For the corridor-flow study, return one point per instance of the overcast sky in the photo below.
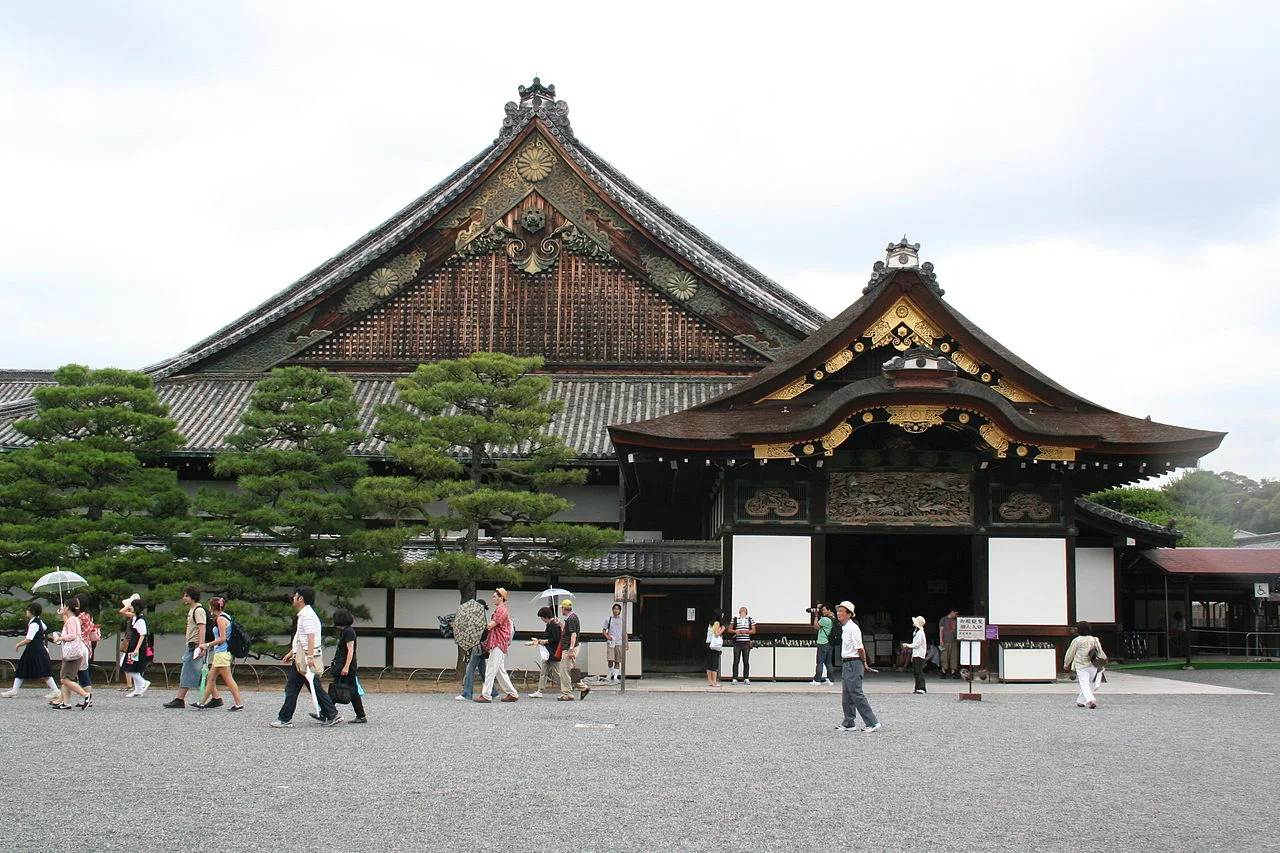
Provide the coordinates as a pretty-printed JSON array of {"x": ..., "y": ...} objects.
[{"x": 1096, "y": 183}]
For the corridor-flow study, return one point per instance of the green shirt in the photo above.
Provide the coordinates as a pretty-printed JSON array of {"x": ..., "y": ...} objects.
[{"x": 824, "y": 630}]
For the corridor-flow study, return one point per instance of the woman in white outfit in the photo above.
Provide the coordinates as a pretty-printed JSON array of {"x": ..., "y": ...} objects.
[
  {"x": 918, "y": 646},
  {"x": 1083, "y": 655}
]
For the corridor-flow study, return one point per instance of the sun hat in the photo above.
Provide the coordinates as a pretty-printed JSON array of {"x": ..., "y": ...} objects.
[
  {"x": 502, "y": 592},
  {"x": 918, "y": 621},
  {"x": 847, "y": 605},
  {"x": 128, "y": 602}
]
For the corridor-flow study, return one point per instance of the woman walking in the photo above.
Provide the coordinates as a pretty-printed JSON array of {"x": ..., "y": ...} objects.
[
  {"x": 74, "y": 652},
  {"x": 715, "y": 646},
  {"x": 1083, "y": 655},
  {"x": 35, "y": 662},
  {"x": 220, "y": 667},
  {"x": 91, "y": 634},
  {"x": 919, "y": 647},
  {"x": 344, "y": 661}
]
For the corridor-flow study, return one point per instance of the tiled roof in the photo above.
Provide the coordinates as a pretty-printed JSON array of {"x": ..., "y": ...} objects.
[
  {"x": 1131, "y": 524},
  {"x": 642, "y": 559},
  {"x": 668, "y": 228},
  {"x": 1260, "y": 562},
  {"x": 16, "y": 385},
  {"x": 208, "y": 406}
]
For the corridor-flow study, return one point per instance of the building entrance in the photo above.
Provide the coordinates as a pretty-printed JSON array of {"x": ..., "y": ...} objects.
[
  {"x": 900, "y": 575},
  {"x": 673, "y": 642}
]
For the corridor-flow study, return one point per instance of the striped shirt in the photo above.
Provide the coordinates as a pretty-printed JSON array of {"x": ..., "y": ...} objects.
[{"x": 742, "y": 623}]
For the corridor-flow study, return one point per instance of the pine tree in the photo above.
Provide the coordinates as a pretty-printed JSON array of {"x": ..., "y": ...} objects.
[
  {"x": 90, "y": 496},
  {"x": 472, "y": 436},
  {"x": 294, "y": 517}
]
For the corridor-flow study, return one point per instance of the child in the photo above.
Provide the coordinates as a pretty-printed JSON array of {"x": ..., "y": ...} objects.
[
  {"x": 344, "y": 661},
  {"x": 135, "y": 658},
  {"x": 35, "y": 662}
]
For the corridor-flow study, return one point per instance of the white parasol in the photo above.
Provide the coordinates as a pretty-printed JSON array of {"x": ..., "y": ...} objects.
[
  {"x": 60, "y": 581},
  {"x": 553, "y": 592}
]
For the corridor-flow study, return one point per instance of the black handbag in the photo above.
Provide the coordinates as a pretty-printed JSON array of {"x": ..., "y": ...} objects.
[{"x": 340, "y": 692}]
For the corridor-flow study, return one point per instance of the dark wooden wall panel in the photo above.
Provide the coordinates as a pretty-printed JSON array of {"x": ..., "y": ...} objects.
[{"x": 580, "y": 311}]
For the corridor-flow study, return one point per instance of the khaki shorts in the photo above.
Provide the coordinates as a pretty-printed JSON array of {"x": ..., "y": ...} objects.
[{"x": 70, "y": 667}]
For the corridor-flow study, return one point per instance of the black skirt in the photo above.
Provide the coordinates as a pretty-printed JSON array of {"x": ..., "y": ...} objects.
[{"x": 35, "y": 662}]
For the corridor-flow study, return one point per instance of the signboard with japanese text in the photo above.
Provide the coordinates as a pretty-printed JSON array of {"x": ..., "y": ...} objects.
[{"x": 971, "y": 627}]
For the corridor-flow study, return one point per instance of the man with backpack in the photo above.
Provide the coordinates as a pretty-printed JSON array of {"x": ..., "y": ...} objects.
[
  {"x": 828, "y": 633},
  {"x": 199, "y": 630}
]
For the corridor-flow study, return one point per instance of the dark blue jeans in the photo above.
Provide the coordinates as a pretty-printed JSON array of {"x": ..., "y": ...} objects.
[
  {"x": 295, "y": 685},
  {"x": 826, "y": 658},
  {"x": 475, "y": 667}
]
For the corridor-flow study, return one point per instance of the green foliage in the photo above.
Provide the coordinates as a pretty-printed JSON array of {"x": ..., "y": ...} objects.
[
  {"x": 83, "y": 495},
  {"x": 471, "y": 433},
  {"x": 1206, "y": 506},
  {"x": 295, "y": 516}
]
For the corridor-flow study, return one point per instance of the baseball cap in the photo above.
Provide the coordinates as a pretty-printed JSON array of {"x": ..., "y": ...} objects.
[{"x": 566, "y": 603}]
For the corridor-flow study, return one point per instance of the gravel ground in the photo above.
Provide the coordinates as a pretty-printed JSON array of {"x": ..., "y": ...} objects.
[{"x": 654, "y": 771}]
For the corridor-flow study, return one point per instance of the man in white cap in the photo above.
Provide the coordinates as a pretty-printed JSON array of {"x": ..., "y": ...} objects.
[
  {"x": 854, "y": 655},
  {"x": 570, "y": 634}
]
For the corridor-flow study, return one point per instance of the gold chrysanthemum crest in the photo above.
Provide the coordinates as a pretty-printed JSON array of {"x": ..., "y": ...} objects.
[
  {"x": 682, "y": 285},
  {"x": 383, "y": 282},
  {"x": 535, "y": 161}
]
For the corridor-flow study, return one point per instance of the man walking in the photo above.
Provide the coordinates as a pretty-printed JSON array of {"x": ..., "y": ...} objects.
[
  {"x": 199, "y": 630},
  {"x": 496, "y": 645},
  {"x": 615, "y": 641},
  {"x": 571, "y": 631},
  {"x": 852, "y": 700},
  {"x": 825, "y": 622},
  {"x": 306, "y": 656},
  {"x": 949, "y": 644}
]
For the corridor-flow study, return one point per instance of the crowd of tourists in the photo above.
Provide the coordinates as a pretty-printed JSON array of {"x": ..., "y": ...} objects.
[{"x": 212, "y": 638}]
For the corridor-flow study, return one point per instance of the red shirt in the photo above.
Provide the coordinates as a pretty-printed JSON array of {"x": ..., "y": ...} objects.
[{"x": 500, "y": 633}]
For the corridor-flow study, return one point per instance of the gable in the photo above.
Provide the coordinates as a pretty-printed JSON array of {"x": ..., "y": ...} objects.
[
  {"x": 655, "y": 290},
  {"x": 905, "y": 323}
]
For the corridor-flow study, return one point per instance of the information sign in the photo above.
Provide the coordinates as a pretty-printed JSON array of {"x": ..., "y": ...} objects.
[
  {"x": 971, "y": 627},
  {"x": 1261, "y": 590}
]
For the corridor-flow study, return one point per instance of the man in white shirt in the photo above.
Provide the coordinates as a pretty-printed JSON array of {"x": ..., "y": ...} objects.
[
  {"x": 615, "y": 641},
  {"x": 854, "y": 654},
  {"x": 306, "y": 655}
]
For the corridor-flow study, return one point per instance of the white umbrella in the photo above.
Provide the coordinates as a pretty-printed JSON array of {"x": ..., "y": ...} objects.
[
  {"x": 60, "y": 581},
  {"x": 553, "y": 592}
]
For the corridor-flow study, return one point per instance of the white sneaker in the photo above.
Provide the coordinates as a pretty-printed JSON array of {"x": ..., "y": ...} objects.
[
  {"x": 8, "y": 694},
  {"x": 872, "y": 729},
  {"x": 816, "y": 681},
  {"x": 828, "y": 681},
  {"x": 846, "y": 728},
  {"x": 537, "y": 694},
  {"x": 746, "y": 681},
  {"x": 735, "y": 681},
  {"x": 460, "y": 698},
  {"x": 53, "y": 694},
  {"x": 131, "y": 694},
  {"x": 145, "y": 685}
]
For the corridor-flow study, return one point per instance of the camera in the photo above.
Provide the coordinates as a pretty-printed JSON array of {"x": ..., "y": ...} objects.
[{"x": 815, "y": 610}]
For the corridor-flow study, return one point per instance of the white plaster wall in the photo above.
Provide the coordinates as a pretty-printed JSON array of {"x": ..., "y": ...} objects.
[
  {"x": 1027, "y": 581},
  {"x": 772, "y": 576},
  {"x": 1095, "y": 584}
]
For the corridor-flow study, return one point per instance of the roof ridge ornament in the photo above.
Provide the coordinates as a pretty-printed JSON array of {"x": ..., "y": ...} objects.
[
  {"x": 902, "y": 255},
  {"x": 537, "y": 100}
]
